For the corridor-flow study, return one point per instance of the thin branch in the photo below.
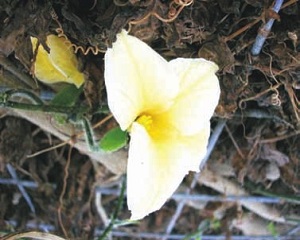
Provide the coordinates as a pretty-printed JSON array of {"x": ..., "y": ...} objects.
[{"x": 14, "y": 175}]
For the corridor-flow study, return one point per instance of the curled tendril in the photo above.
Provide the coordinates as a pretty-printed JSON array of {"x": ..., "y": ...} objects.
[
  {"x": 60, "y": 33},
  {"x": 183, "y": 2},
  {"x": 121, "y": 3},
  {"x": 175, "y": 8}
]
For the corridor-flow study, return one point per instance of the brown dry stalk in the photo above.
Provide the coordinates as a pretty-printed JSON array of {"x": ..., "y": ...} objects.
[
  {"x": 279, "y": 138},
  {"x": 234, "y": 142},
  {"x": 272, "y": 88},
  {"x": 63, "y": 191},
  {"x": 33, "y": 235},
  {"x": 249, "y": 25}
]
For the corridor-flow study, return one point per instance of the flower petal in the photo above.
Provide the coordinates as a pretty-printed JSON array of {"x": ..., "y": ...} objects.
[
  {"x": 64, "y": 59},
  {"x": 43, "y": 68},
  {"x": 198, "y": 97},
  {"x": 137, "y": 80},
  {"x": 60, "y": 65},
  {"x": 156, "y": 167}
]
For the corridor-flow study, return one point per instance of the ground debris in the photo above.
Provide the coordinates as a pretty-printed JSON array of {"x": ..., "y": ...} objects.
[{"x": 257, "y": 152}]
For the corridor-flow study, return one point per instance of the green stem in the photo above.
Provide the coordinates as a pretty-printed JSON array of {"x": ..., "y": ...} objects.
[
  {"x": 24, "y": 94},
  {"x": 43, "y": 107},
  {"x": 290, "y": 199},
  {"x": 116, "y": 212},
  {"x": 89, "y": 135},
  {"x": 263, "y": 192}
]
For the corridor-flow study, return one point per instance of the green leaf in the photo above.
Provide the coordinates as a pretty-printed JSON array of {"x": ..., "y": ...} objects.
[
  {"x": 113, "y": 140},
  {"x": 68, "y": 96},
  {"x": 272, "y": 229}
]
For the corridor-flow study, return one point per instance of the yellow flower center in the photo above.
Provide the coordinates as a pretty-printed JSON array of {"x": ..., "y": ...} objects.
[{"x": 146, "y": 121}]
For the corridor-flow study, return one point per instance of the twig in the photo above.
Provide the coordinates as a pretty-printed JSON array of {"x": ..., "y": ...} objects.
[
  {"x": 9, "y": 66},
  {"x": 175, "y": 196},
  {"x": 14, "y": 175},
  {"x": 49, "y": 149},
  {"x": 210, "y": 198},
  {"x": 256, "y": 96},
  {"x": 100, "y": 209},
  {"x": 234, "y": 142},
  {"x": 159, "y": 236},
  {"x": 213, "y": 140},
  {"x": 147, "y": 235},
  {"x": 29, "y": 184},
  {"x": 261, "y": 114},
  {"x": 293, "y": 231},
  {"x": 279, "y": 138},
  {"x": 265, "y": 30},
  {"x": 249, "y": 25},
  {"x": 63, "y": 191},
  {"x": 32, "y": 235},
  {"x": 241, "y": 30}
]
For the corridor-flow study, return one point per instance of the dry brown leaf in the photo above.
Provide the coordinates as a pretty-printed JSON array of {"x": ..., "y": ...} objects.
[
  {"x": 227, "y": 187},
  {"x": 270, "y": 153}
]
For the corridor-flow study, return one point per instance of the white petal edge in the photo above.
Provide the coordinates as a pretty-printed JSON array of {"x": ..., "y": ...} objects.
[
  {"x": 198, "y": 96},
  {"x": 155, "y": 169},
  {"x": 137, "y": 79}
]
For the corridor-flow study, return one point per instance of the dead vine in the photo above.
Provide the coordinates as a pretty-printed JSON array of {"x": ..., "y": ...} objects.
[{"x": 175, "y": 8}]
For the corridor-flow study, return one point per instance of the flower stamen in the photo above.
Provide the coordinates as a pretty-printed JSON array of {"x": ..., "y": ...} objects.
[{"x": 146, "y": 121}]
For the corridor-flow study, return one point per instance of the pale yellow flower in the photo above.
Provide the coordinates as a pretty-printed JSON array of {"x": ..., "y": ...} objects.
[
  {"x": 166, "y": 107},
  {"x": 59, "y": 65}
]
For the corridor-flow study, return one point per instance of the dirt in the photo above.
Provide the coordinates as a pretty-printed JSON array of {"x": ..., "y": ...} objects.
[{"x": 260, "y": 101}]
